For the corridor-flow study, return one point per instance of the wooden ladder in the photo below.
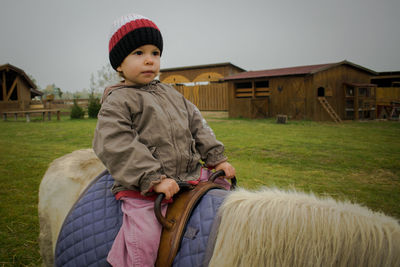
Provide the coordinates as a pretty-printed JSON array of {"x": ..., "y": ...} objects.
[{"x": 329, "y": 109}]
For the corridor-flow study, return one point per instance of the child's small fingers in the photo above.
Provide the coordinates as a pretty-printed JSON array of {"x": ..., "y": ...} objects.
[
  {"x": 167, "y": 196},
  {"x": 230, "y": 173}
]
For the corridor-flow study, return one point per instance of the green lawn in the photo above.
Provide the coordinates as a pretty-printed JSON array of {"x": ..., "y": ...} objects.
[{"x": 359, "y": 161}]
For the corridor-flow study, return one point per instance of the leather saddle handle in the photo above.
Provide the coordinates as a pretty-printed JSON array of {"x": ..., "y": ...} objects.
[
  {"x": 168, "y": 224},
  {"x": 221, "y": 173}
]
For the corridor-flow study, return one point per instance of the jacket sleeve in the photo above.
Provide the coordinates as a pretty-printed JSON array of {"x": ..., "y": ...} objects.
[
  {"x": 210, "y": 149},
  {"x": 118, "y": 146}
]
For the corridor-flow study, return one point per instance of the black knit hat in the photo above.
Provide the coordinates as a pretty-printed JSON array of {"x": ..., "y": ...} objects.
[{"x": 130, "y": 32}]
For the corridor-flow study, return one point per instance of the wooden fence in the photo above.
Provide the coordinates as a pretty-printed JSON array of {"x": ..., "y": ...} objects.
[
  {"x": 64, "y": 105},
  {"x": 68, "y": 103},
  {"x": 211, "y": 97}
]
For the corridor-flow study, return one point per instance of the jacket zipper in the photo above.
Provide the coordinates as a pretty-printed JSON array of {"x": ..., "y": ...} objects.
[{"x": 160, "y": 98}]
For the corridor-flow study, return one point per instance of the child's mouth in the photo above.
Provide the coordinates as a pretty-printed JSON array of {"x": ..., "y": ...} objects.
[{"x": 148, "y": 72}]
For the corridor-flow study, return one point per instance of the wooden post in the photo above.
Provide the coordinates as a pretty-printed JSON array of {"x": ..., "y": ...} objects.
[
  {"x": 49, "y": 115},
  {"x": 58, "y": 115},
  {"x": 253, "y": 89},
  {"x": 43, "y": 115},
  {"x": 4, "y": 116},
  {"x": 14, "y": 84},
  {"x": 356, "y": 114},
  {"x": 28, "y": 118},
  {"x": 15, "y": 116},
  {"x": 4, "y": 87}
]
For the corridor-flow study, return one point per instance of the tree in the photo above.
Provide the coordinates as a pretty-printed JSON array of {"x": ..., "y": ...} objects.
[
  {"x": 58, "y": 92},
  {"x": 77, "y": 112},
  {"x": 106, "y": 76},
  {"x": 93, "y": 106},
  {"x": 52, "y": 89}
]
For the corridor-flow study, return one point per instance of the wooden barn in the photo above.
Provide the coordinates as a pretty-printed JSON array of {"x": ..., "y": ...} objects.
[
  {"x": 17, "y": 89},
  {"x": 203, "y": 84},
  {"x": 324, "y": 92}
]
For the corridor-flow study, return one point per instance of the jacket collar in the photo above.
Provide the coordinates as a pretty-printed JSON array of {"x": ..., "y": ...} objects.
[{"x": 152, "y": 86}]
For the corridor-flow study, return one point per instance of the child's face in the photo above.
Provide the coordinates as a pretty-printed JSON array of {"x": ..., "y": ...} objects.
[{"x": 141, "y": 66}]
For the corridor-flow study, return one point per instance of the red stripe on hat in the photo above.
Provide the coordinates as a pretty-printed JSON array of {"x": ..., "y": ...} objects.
[{"x": 128, "y": 27}]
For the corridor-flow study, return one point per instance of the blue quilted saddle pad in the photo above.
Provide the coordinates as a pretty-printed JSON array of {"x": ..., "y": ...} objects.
[
  {"x": 197, "y": 244},
  {"x": 91, "y": 226}
]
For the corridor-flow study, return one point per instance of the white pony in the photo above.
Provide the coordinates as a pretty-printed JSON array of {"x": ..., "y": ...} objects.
[
  {"x": 270, "y": 227},
  {"x": 64, "y": 181}
]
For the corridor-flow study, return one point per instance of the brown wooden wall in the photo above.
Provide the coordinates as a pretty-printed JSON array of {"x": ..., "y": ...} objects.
[
  {"x": 288, "y": 96},
  {"x": 386, "y": 95},
  {"x": 211, "y": 97}
]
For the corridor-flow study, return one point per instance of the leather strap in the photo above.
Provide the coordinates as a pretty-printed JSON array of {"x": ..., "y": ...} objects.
[{"x": 178, "y": 213}]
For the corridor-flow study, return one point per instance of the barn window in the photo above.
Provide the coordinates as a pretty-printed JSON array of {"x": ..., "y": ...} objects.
[
  {"x": 243, "y": 85},
  {"x": 243, "y": 90},
  {"x": 261, "y": 89},
  {"x": 262, "y": 84},
  {"x": 256, "y": 89},
  {"x": 364, "y": 91},
  {"x": 202, "y": 83},
  {"x": 349, "y": 91},
  {"x": 321, "y": 91}
]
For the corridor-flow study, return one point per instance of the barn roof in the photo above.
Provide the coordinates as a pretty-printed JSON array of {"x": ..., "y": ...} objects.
[
  {"x": 23, "y": 74},
  {"x": 203, "y": 67},
  {"x": 299, "y": 70},
  {"x": 35, "y": 92}
]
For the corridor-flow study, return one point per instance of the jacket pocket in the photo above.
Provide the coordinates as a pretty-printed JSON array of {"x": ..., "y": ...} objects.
[{"x": 153, "y": 151}]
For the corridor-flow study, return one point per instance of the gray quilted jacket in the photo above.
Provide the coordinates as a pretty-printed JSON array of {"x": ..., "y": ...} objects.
[{"x": 148, "y": 133}]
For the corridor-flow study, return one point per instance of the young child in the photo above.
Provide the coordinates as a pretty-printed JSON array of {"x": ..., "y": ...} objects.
[{"x": 149, "y": 137}]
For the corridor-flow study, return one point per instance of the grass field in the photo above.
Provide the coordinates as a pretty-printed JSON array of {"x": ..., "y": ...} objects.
[{"x": 359, "y": 161}]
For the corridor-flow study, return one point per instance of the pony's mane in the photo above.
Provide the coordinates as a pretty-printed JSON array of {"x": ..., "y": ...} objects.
[{"x": 272, "y": 227}]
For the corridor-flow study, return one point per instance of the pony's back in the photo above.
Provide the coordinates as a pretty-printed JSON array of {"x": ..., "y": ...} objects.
[{"x": 277, "y": 228}]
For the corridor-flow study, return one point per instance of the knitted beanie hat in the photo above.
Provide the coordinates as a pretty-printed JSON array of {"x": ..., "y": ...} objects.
[{"x": 130, "y": 32}]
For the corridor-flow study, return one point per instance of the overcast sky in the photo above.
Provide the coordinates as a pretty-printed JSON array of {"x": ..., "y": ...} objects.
[{"x": 64, "y": 42}]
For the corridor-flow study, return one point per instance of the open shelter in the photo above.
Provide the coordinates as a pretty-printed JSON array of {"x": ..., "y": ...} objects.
[{"x": 17, "y": 92}]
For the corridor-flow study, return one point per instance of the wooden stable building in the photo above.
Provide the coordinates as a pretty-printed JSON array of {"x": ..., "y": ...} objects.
[
  {"x": 17, "y": 89},
  {"x": 203, "y": 84},
  {"x": 17, "y": 92},
  {"x": 324, "y": 92}
]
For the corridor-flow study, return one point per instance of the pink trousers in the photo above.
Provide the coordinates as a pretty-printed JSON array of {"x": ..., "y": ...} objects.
[{"x": 137, "y": 241}]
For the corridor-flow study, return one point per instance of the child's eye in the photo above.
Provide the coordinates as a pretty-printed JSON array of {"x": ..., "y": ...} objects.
[
  {"x": 156, "y": 53},
  {"x": 137, "y": 53}
]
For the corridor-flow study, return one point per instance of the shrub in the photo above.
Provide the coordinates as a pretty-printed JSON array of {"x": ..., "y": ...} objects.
[
  {"x": 77, "y": 112},
  {"x": 93, "y": 107}
]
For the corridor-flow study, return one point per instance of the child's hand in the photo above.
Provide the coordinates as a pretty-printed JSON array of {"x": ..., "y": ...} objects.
[
  {"x": 167, "y": 186},
  {"x": 227, "y": 168}
]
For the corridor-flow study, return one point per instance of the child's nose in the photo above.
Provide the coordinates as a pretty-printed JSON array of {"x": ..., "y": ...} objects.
[{"x": 148, "y": 60}]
